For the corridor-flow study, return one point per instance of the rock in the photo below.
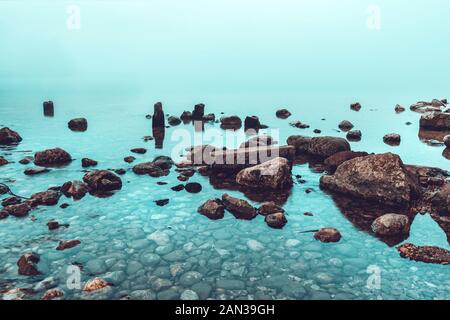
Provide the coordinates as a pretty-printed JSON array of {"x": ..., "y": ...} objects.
[
  {"x": 345, "y": 125},
  {"x": 273, "y": 174},
  {"x": 64, "y": 205},
  {"x": 301, "y": 143},
  {"x": 46, "y": 198},
  {"x": 95, "y": 284},
  {"x": 25, "y": 161},
  {"x": 28, "y": 264},
  {"x": 18, "y": 210},
  {"x": 199, "y": 111},
  {"x": 173, "y": 121},
  {"x": 213, "y": 209},
  {"x": 252, "y": 122},
  {"x": 299, "y": 125},
  {"x": 447, "y": 141},
  {"x": 391, "y": 224},
  {"x": 425, "y": 254},
  {"x": 439, "y": 121},
  {"x": 139, "y": 150},
  {"x": 186, "y": 116},
  {"x": 86, "y": 162},
  {"x": 189, "y": 295},
  {"x": 63, "y": 245},
  {"x": 328, "y": 235},
  {"x": 380, "y": 177},
  {"x": 149, "y": 168},
  {"x": 441, "y": 200},
  {"x": 392, "y": 139},
  {"x": 190, "y": 278},
  {"x": 354, "y": 135},
  {"x": 230, "y": 123},
  {"x": 36, "y": 170},
  {"x": 399, "y": 108},
  {"x": 258, "y": 141},
  {"x": 193, "y": 187},
  {"x": 334, "y": 161},
  {"x": 52, "y": 294},
  {"x": 53, "y": 225},
  {"x": 79, "y": 124},
  {"x": 102, "y": 181},
  {"x": 241, "y": 209},
  {"x": 162, "y": 202},
  {"x": 178, "y": 188},
  {"x": 9, "y": 137},
  {"x": 283, "y": 114},
  {"x": 3, "y": 189},
  {"x": 129, "y": 159},
  {"x": 158, "y": 120},
  {"x": 164, "y": 162},
  {"x": 120, "y": 171},
  {"x": 327, "y": 146},
  {"x": 74, "y": 189},
  {"x": 49, "y": 110},
  {"x": 355, "y": 106},
  {"x": 317, "y": 131},
  {"x": 52, "y": 157},
  {"x": 276, "y": 220},
  {"x": 11, "y": 201},
  {"x": 147, "y": 138},
  {"x": 3, "y": 161},
  {"x": 3, "y": 214},
  {"x": 210, "y": 117},
  {"x": 269, "y": 207}
]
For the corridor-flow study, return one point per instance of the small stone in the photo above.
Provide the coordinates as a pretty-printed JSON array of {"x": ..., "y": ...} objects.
[
  {"x": 355, "y": 106},
  {"x": 79, "y": 124},
  {"x": 399, "y": 108},
  {"x": 178, "y": 188},
  {"x": 328, "y": 235},
  {"x": 283, "y": 114},
  {"x": 95, "y": 284},
  {"x": 354, "y": 135},
  {"x": 162, "y": 202},
  {"x": 190, "y": 278},
  {"x": 36, "y": 170},
  {"x": 345, "y": 125},
  {"x": 173, "y": 121},
  {"x": 9, "y": 137},
  {"x": 53, "y": 225},
  {"x": 129, "y": 159},
  {"x": 63, "y": 245},
  {"x": 276, "y": 220},
  {"x": 189, "y": 295},
  {"x": 139, "y": 150},
  {"x": 193, "y": 187},
  {"x": 391, "y": 224},
  {"x": 18, "y": 210},
  {"x": 392, "y": 139},
  {"x": 241, "y": 209},
  {"x": 269, "y": 207},
  {"x": 52, "y": 294},
  {"x": 28, "y": 264},
  {"x": 86, "y": 162}
]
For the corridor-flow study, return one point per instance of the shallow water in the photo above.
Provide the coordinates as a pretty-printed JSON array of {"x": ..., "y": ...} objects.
[{"x": 313, "y": 57}]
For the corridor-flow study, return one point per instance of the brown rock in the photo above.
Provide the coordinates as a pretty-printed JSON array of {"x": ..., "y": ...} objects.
[
  {"x": 129, "y": 159},
  {"x": 18, "y": 210},
  {"x": 28, "y": 264},
  {"x": 63, "y": 245},
  {"x": 355, "y": 106},
  {"x": 276, "y": 220},
  {"x": 441, "y": 200},
  {"x": 392, "y": 139},
  {"x": 95, "y": 284},
  {"x": 199, "y": 111},
  {"x": 301, "y": 143},
  {"x": 186, "y": 116},
  {"x": 46, "y": 198},
  {"x": 354, "y": 135},
  {"x": 439, "y": 121},
  {"x": 9, "y": 137},
  {"x": 3, "y": 161},
  {"x": 345, "y": 125},
  {"x": 213, "y": 209},
  {"x": 425, "y": 254},
  {"x": 399, "y": 108},
  {"x": 380, "y": 177},
  {"x": 53, "y": 225},
  {"x": 299, "y": 125},
  {"x": 269, "y": 207},
  {"x": 173, "y": 121},
  {"x": 36, "y": 170},
  {"x": 391, "y": 224},
  {"x": 52, "y": 157},
  {"x": 283, "y": 114},
  {"x": 272, "y": 174},
  {"x": 241, "y": 209},
  {"x": 327, "y": 146},
  {"x": 3, "y": 214},
  {"x": 11, "y": 201},
  {"x": 258, "y": 141},
  {"x": 251, "y": 122},
  {"x": 102, "y": 181},
  {"x": 78, "y": 124},
  {"x": 74, "y": 189},
  {"x": 230, "y": 123},
  {"x": 52, "y": 294},
  {"x": 149, "y": 168},
  {"x": 193, "y": 187},
  {"x": 86, "y": 162},
  {"x": 334, "y": 161},
  {"x": 139, "y": 150},
  {"x": 328, "y": 235}
]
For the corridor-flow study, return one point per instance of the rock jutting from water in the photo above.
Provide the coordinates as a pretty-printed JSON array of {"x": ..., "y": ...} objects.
[
  {"x": 27, "y": 264},
  {"x": 52, "y": 157},
  {"x": 213, "y": 209},
  {"x": 75, "y": 189},
  {"x": 78, "y": 124},
  {"x": 48, "y": 108},
  {"x": 427, "y": 254},
  {"x": 391, "y": 224},
  {"x": 333, "y": 162},
  {"x": 101, "y": 181},
  {"x": 230, "y": 122},
  {"x": 439, "y": 121},
  {"x": 354, "y": 135},
  {"x": 67, "y": 244},
  {"x": 276, "y": 220},
  {"x": 283, "y": 114},
  {"x": 158, "y": 119},
  {"x": 86, "y": 162},
  {"x": 9, "y": 137},
  {"x": 345, "y": 125},
  {"x": 328, "y": 235},
  {"x": 269, "y": 207},
  {"x": 355, "y": 106},
  {"x": 241, "y": 209},
  {"x": 392, "y": 139},
  {"x": 46, "y": 198}
]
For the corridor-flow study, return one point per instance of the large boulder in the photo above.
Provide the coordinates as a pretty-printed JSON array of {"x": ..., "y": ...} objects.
[
  {"x": 35, "y": 171},
  {"x": 435, "y": 121},
  {"x": 272, "y": 174},
  {"x": 301, "y": 143},
  {"x": 380, "y": 177},
  {"x": 52, "y": 157},
  {"x": 441, "y": 200},
  {"x": 28, "y": 264},
  {"x": 164, "y": 162},
  {"x": 18, "y": 210},
  {"x": 46, "y": 198},
  {"x": 78, "y": 124},
  {"x": 258, "y": 141},
  {"x": 390, "y": 225},
  {"x": 9, "y": 137},
  {"x": 151, "y": 169},
  {"x": 213, "y": 209},
  {"x": 425, "y": 254},
  {"x": 241, "y": 209},
  {"x": 334, "y": 161},
  {"x": 327, "y": 146},
  {"x": 102, "y": 181},
  {"x": 75, "y": 189}
]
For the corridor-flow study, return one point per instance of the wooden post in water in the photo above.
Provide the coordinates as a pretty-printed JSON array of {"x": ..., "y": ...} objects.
[{"x": 49, "y": 110}]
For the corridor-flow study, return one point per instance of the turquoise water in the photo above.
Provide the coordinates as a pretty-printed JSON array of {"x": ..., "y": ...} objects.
[{"x": 313, "y": 57}]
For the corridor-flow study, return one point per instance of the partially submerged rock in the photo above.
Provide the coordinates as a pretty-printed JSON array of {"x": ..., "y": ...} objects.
[
  {"x": 86, "y": 162},
  {"x": 78, "y": 124},
  {"x": 193, "y": 187},
  {"x": 18, "y": 210},
  {"x": 9, "y": 137},
  {"x": 390, "y": 225},
  {"x": 439, "y": 121},
  {"x": 95, "y": 284},
  {"x": 52, "y": 294},
  {"x": 46, "y": 198},
  {"x": 380, "y": 177},
  {"x": 273, "y": 174},
  {"x": 441, "y": 200},
  {"x": 129, "y": 159},
  {"x": 399, "y": 109},
  {"x": 354, "y": 135},
  {"x": 299, "y": 125},
  {"x": 355, "y": 106},
  {"x": 334, "y": 161},
  {"x": 3, "y": 161},
  {"x": 327, "y": 146},
  {"x": 139, "y": 150},
  {"x": 392, "y": 139},
  {"x": 164, "y": 162},
  {"x": 230, "y": 122},
  {"x": 213, "y": 209},
  {"x": 283, "y": 114},
  {"x": 100, "y": 181},
  {"x": 75, "y": 189},
  {"x": 52, "y": 157},
  {"x": 36, "y": 170},
  {"x": 346, "y": 125},
  {"x": 447, "y": 141},
  {"x": 252, "y": 123},
  {"x": 259, "y": 141},
  {"x": 241, "y": 209},
  {"x": 28, "y": 264},
  {"x": 173, "y": 121},
  {"x": 151, "y": 169},
  {"x": 67, "y": 244},
  {"x": 269, "y": 207},
  {"x": 198, "y": 112},
  {"x": 301, "y": 143},
  {"x": 276, "y": 220},
  {"x": 425, "y": 254},
  {"x": 328, "y": 235}
]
